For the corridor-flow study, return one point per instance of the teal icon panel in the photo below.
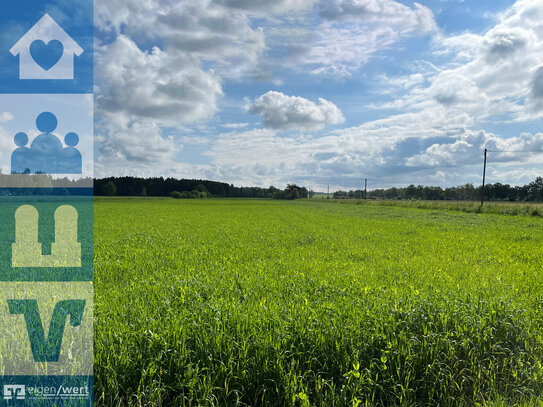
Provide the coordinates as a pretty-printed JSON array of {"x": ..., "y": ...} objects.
[
  {"x": 46, "y": 203},
  {"x": 46, "y": 234}
]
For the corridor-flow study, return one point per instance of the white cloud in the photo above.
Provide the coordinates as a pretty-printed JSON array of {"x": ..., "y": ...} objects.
[
  {"x": 6, "y": 117},
  {"x": 280, "y": 111},
  {"x": 156, "y": 84},
  {"x": 126, "y": 142},
  {"x": 263, "y": 157},
  {"x": 406, "y": 19},
  {"x": 535, "y": 99},
  {"x": 204, "y": 29},
  {"x": 492, "y": 76},
  {"x": 150, "y": 71},
  {"x": 276, "y": 6},
  {"x": 235, "y": 125},
  {"x": 503, "y": 42},
  {"x": 463, "y": 46},
  {"x": 499, "y": 66},
  {"x": 6, "y": 147},
  {"x": 403, "y": 82},
  {"x": 140, "y": 92},
  {"x": 438, "y": 135},
  {"x": 194, "y": 140},
  {"x": 353, "y": 30}
]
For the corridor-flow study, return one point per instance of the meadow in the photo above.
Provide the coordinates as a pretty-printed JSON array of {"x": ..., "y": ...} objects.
[
  {"x": 309, "y": 303},
  {"x": 502, "y": 208}
]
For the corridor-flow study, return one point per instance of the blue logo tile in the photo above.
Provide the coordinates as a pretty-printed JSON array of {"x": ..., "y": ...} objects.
[{"x": 44, "y": 49}]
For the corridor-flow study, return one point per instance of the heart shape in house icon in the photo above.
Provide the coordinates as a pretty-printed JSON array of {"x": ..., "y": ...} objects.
[{"x": 46, "y": 55}]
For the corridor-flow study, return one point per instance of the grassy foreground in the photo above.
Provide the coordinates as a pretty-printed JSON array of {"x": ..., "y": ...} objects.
[{"x": 250, "y": 302}]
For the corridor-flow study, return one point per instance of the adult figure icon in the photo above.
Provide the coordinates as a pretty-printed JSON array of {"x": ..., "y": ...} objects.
[{"x": 46, "y": 154}]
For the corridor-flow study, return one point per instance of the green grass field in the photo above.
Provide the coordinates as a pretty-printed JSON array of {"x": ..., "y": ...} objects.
[
  {"x": 502, "y": 208},
  {"x": 298, "y": 303}
]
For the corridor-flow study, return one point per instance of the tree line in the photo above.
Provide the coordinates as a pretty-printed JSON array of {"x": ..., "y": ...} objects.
[
  {"x": 532, "y": 192},
  {"x": 190, "y": 189},
  {"x": 194, "y": 188}
]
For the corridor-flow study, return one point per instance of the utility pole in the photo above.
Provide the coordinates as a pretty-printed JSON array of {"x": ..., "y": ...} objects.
[
  {"x": 328, "y": 194},
  {"x": 366, "y": 188},
  {"x": 484, "y": 176}
]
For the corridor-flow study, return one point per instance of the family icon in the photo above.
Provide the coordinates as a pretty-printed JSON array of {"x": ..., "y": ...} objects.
[{"x": 46, "y": 154}]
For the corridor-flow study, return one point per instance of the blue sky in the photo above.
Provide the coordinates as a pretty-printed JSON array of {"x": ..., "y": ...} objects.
[{"x": 319, "y": 92}]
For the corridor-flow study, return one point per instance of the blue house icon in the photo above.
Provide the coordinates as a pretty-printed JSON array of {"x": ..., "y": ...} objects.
[{"x": 46, "y": 51}]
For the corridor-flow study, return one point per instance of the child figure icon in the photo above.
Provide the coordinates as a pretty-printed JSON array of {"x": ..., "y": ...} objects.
[{"x": 46, "y": 154}]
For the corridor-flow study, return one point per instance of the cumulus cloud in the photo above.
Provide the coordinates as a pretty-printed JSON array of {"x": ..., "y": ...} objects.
[
  {"x": 492, "y": 76},
  {"x": 496, "y": 75},
  {"x": 503, "y": 42},
  {"x": 155, "y": 84},
  {"x": 451, "y": 89},
  {"x": 205, "y": 29},
  {"x": 280, "y": 111},
  {"x": 141, "y": 91},
  {"x": 504, "y": 69},
  {"x": 438, "y": 134},
  {"x": 150, "y": 71},
  {"x": 263, "y": 157}
]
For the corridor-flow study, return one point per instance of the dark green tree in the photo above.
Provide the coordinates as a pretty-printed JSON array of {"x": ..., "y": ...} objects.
[
  {"x": 110, "y": 189},
  {"x": 292, "y": 191}
]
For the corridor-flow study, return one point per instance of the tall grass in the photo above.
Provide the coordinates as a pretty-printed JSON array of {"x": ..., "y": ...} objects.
[
  {"x": 502, "y": 208},
  {"x": 253, "y": 303}
]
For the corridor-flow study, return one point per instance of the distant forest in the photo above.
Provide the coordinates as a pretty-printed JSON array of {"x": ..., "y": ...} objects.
[
  {"x": 43, "y": 184},
  {"x": 189, "y": 188},
  {"x": 532, "y": 192},
  {"x": 185, "y": 188}
]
